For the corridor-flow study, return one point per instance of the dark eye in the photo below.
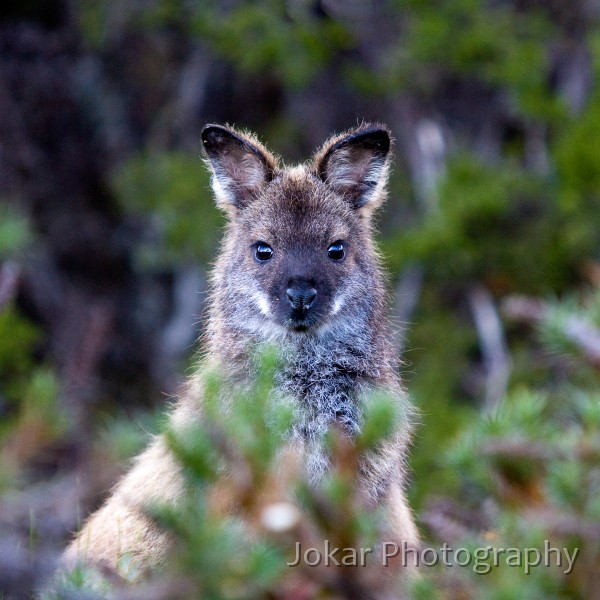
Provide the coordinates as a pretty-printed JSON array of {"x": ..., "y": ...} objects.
[
  {"x": 336, "y": 251},
  {"x": 262, "y": 251}
]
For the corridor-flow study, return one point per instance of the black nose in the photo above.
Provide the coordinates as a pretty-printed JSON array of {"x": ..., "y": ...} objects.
[{"x": 301, "y": 295}]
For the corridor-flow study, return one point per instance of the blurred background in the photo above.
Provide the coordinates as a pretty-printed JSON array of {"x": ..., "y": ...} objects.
[{"x": 491, "y": 235}]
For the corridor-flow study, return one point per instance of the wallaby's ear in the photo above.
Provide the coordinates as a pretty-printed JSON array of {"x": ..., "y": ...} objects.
[
  {"x": 239, "y": 163},
  {"x": 356, "y": 164}
]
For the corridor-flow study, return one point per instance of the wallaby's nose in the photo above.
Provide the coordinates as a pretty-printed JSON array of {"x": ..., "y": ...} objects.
[{"x": 301, "y": 295}]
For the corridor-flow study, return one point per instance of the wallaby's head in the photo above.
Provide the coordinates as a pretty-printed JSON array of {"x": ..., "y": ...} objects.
[{"x": 298, "y": 255}]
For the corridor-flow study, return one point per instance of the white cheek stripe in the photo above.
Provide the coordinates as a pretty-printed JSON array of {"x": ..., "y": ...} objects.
[
  {"x": 262, "y": 302},
  {"x": 337, "y": 304}
]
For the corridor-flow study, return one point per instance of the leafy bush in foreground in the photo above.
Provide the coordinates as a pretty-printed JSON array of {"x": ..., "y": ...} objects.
[{"x": 528, "y": 479}]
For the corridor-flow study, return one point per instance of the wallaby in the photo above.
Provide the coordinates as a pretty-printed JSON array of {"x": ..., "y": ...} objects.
[{"x": 297, "y": 269}]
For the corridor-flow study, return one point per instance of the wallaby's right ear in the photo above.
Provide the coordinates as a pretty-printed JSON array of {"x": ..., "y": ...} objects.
[{"x": 240, "y": 165}]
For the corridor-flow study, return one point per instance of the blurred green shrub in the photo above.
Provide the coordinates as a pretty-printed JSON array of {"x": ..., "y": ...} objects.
[
  {"x": 287, "y": 40},
  {"x": 173, "y": 189},
  {"x": 15, "y": 232},
  {"x": 247, "y": 503},
  {"x": 29, "y": 415},
  {"x": 527, "y": 475},
  {"x": 498, "y": 224},
  {"x": 531, "y": 472}
]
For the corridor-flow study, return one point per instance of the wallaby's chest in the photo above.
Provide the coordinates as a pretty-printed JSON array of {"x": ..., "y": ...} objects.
[{"x": 325, "y": 388}]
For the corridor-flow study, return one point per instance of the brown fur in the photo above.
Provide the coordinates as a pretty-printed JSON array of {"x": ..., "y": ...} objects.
[{"x": 333, "y": 353}]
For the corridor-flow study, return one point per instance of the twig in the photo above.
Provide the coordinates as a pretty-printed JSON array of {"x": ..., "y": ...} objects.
[
  {"x": 424, "y": 145},
  {"x": 432, "y": 164},
  {"x": 536, "y": 148},
  {"x": 10, "y": 274},
  {"x": 523, "y": 308},
  {"x": 564, "y": 524},
  {"x": 425, "y": 149},
  {"x": 406, "y": 296},
  {"x": 444, "y": 526},
  {"x": 524, "y": 448},
  {"x": 585, "y": 336},
  {"x": 578, "y": 330},
  {"x": 493, "y": 345}
]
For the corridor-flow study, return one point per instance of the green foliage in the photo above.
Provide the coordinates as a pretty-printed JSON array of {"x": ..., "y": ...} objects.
[
  {"x": 40, "y": 399},
  {"x": 284, "y": 40},
  {"x": 174, "y": 188},
  {"x": 15, "y": 232},
  {"x": 18, "y": 340},
  {"x": 498, "y": 46},
  {"x": 527, "y": 464},
  {"x": 29, "y": 418},
  {"x": 575, "y": 151},
  {"x": 519, "y": 416},
  {"x": 571, "y": 327},
  {"x": 498, "y": 222},
  {"x": 530, "y": 472},
  {"x": 35, "y": 422},
  {"x": 230, "y": 543},
  {"x": 86, "y": 582},
  {"x": 287, "y": 41},
  {"x": 434, "y": 387},
  {"x": 126, "y": 436},
  {"x": 24, "y": 384},
  {"x": 483, "y": 230},
  {"x": 93, "y": 17},
  {"x": 381, "y": 419}
]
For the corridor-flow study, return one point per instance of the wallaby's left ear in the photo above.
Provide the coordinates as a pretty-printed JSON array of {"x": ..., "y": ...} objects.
[{"x": 356, "y": 164}]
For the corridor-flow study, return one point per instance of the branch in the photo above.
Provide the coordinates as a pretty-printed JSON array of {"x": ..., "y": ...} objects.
[
  {"x": 10, "y": 274},
  {"x": 526, "y": 448},
  {"x": 586, "y": 337},
  {"x": 406, "y": 296},
  {"x": 564, "y": 524},
  {"x": 578, "y": 330},
  {"x": 492, "y": 343}
]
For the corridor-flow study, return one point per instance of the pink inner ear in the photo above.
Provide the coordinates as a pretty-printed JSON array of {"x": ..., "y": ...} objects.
[
  {"x": 239, "y": 169},
  {"x": 363, "y": 162},
  {"x": 253, "y": 173},
  {"x": 353, "y": 170}
]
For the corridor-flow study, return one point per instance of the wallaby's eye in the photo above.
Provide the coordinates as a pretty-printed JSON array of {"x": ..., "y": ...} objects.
[
  {"x": 336, "y": 251},
  {"x": 262, "y": 251}
]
